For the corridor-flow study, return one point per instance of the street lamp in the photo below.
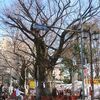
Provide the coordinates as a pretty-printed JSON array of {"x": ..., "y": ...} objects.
[
  {"x": 91, "y": 66},
  {"x": 81, "y": 48},
  {"x": 90, "y": 36},
  {"x": 96, "y": 44},
  {"x": 81, "y": 53}
]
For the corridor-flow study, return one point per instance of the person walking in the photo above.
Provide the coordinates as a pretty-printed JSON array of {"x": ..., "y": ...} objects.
[
  {"x": 1, "y": 90},
  {"x": 18, "y": 94},
  {"x": 54, "y": 93},
  {"x": 13, "y": 95},
  {"x": 81, "y": 94}
]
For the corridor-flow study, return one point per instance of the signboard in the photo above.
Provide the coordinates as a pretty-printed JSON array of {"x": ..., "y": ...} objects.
[
  {"x": 95, "y": 81},
  {"x": 32, "y": 84},
  {"x": 85, "y": 72}
]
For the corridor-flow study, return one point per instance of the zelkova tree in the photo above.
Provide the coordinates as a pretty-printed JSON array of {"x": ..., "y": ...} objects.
[
  {"x": 15, "y": 58},
  {"x": 24, "y": 58},
  {"x": 49, "y": 26}
]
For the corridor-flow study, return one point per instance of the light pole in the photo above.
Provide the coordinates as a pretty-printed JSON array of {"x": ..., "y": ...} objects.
[
  {"x": 82, "y": 63},
  {"x": 91, "y": 66},
  {"x": 81, "y": 49},
  {"x": 96, "y": 56},
  {"x": 89, "y": 35}
]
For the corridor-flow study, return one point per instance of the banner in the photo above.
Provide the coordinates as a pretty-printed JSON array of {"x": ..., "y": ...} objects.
[
  {"x": 95, "y": 81},
  {"x": 32, "y": 84}
]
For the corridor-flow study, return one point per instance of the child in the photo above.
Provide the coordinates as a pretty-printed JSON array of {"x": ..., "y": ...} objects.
[{"x": 13, "y": 95}]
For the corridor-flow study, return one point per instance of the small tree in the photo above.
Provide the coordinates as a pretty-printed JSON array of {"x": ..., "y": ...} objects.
[
  {"x": 70, "y": 67},
  {"x": 15, "y": 57}
]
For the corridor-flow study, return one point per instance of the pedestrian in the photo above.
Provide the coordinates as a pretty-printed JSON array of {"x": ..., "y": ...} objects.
[
  {"x": 13, "y": 95},
  {"x": 1, "y": 90},
  {"x": 18, "y": 94},
  {"x": 81, "y": 93},
  {"x": 2, "y": 94},
  {"x": 10, "y": 89},
  {"x": 68, "y": 92},
  {"x": 54, "y": 92}
]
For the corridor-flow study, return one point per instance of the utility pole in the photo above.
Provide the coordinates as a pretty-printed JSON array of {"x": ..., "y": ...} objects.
[
  {"x": 91, "y": 67},
  {"x": 82, "y": 65},
  {"x": 81, "y": 49}
]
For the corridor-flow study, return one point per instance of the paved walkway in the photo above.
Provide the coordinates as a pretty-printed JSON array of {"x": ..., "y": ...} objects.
[{"x": 89, "y": 98}]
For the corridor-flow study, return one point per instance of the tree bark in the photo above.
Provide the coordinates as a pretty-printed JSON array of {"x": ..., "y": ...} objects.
[
  {"x": 22, "y": 78},
  {"x": 40, "y": 68},
  {"x": 49, "y": 82},
  {"x": 41, "y": 78}
]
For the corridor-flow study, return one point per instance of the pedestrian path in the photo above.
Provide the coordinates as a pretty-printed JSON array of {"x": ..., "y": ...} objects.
[{"x": 89, "y": 99}]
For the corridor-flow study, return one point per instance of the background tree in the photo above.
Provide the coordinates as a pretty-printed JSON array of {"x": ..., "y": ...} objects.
[
  {"x": 74, "y": 48},
  {"x": 17, "y": 57}
]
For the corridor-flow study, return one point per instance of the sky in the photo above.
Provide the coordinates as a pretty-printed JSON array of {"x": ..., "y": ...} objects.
[{"x": 5, "y": 3}]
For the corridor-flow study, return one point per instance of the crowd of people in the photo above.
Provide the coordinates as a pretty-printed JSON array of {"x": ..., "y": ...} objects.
[
  {"x": 14, "y": 93},
  {"x": 66, "y": 92},
  {"x": 4, "y": 91}
]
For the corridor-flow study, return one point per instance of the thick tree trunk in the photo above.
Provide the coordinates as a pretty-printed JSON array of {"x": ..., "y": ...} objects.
[
  {"x": 40, "y": 91},
  {"x": 40, "y": 68},
  {"x": 22, "y": 81},
  {"x": 49, "y": 81},
  {"x": 41, "y": 79}
]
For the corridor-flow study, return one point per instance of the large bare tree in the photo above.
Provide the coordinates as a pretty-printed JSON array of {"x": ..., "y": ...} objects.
[
  {"x": 14, "y": 57},
  {"x": 49, "y": 25}
]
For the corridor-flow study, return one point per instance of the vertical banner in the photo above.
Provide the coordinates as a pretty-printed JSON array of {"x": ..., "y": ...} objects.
[{"x": 32, "y": 84}]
